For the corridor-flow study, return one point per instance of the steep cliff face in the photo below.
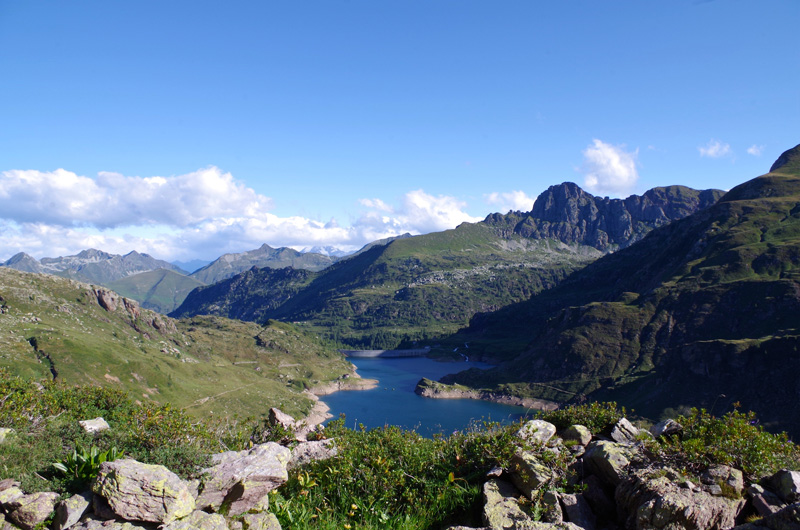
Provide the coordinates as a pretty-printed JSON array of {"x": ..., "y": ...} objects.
[{"x": 569, "y": 214}]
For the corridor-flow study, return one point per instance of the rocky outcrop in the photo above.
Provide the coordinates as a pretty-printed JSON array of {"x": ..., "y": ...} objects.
[
  {"x": 142, "y": 492},
  {"x": 569, "y": 214},
  {"x": 240, "y": 480}
]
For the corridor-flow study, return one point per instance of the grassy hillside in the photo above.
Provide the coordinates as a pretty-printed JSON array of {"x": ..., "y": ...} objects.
[
  {"x": 78, "y": 333},
  {"x": 161, "y": 290},
  {"x": 702, "y": 312}
]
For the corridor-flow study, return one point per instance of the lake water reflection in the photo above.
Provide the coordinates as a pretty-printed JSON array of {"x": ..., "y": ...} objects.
[{"x": 393, "y": 402}]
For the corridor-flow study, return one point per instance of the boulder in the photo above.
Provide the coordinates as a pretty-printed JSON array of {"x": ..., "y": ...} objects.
[
  {"x": 241, "y": 480},
  {"x": 143, "y": 492},
  {"x": 729, "y": 480},
  {"x": 608, "y": 460},
  {"x": 306, "y": 452},
  {"x": 786, "y": 484},
  {"x": 536, "y": 431},
  {"x": 94, "y": 426},
  {"x": 198, "y": 520},
  {"x": 260, "y": 521},
  {"x": 10, "y": 493},
  {"x": 786, "y": 519},
  {"x": 650, "y": 500},
  {"x": 551, "y": 508},
  {"x": 69, "y": 511},
  {"x": 30, "y": 510},
  {"x": 624, "y": 432},
  {"x": 502, "y": 511},
  {"x": 529, "y": 474},
  {"x": 666, "y": 428},
  {"x": 94, "y": 523},
  {"x": 578, "y": 434},
  {"x": 577, "y": 511}
]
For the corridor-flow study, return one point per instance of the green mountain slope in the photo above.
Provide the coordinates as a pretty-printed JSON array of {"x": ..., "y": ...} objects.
[
  {"x": 160, "y": 290},
  {"x": 79, "y": 333},
  {"x": 702, "y": 312},
  {"x": 428, "y": 286}
]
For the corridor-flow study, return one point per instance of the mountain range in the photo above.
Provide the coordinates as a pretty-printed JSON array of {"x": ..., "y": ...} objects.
[
  {"x": 704, "y": 311},
  {"x": 428, "y": 286}
]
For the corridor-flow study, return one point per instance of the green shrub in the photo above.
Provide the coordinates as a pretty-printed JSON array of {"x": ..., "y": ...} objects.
[
  {"x": 735, "y": 439},
  {"x": 594, "y": 416},
  {"x": 83, "y": 465}
]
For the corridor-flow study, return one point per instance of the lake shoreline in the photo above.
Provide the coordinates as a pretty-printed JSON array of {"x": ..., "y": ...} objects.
[{"x": 435, "y": 390}]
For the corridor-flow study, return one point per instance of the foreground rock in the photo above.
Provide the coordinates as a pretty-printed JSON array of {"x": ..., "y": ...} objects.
[
  {"x": 142, "y": 492},
  {"x": 31, "y": 510},
  {"x": 240, "y": 480}
]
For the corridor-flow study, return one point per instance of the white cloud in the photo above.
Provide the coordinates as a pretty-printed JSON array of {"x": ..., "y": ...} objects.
[
  {"x": 755, "y": 150},
  {"x": 515, "y": 200},
  {"x": 609, "y": 169},
  {"x": 111, "y": 200},
  {"x": 201, "y": 214},
  {"x": 714, "y": 149}
]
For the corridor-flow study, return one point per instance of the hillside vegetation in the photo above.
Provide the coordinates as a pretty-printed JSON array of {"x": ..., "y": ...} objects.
[
  {"x": 78, "y": 333},
  {"x": 428, "y": 286},
  {"x": 701, "y": 312}
]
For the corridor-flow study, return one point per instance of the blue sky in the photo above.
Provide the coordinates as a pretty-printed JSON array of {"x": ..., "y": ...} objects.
[{"x": 187, "y": 129}]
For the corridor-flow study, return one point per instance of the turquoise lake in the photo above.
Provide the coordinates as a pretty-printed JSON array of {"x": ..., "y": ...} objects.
[{"x": 394, "y": 402}]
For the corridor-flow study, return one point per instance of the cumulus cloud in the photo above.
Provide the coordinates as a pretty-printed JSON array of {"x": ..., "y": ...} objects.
[
  {"x": 515, "y": 200},
  {"x": 204, "y": 214},
  {"x": 609, "y": 168},
  {"x": 755, "y": 150},
  {"x": 111, "y": 200},
  {"x": 715, "y": 149}
]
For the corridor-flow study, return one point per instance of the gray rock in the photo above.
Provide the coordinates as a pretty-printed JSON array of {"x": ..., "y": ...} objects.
[
  {"x": 307, "y": 452},
  {"x": 69, "y": 511},
  {"x": 93, "y": 523},
  {"x": 767, "y": 503},
  {"x": 608, "y": 460},
  {"x": 666, "y": 428},
  {"x": 198, "y": 520},
  {"x": 650, "y": 500},
  {"x": 624, "y": 432},
  {"x": 260, "y": 521},
  {"x": 786, "y": 519},
  {"x": 529, "y": 474},
  {"x": 786, "y": 484},
  {"x": 578, "y": 512},
  {"x": 10, "y": 494},
  {"x": 30, "y": 510},
  {"x": 501, "y": 510},
  {"x": 578, "y": 434},
  {"x": 536, "y": 431},
  {"x": 143, "y": 492},
  {"x": 552, "y": 512},
  {"x": 241, "y": 480},
  {"x": 729, "y": 479},
  {"x": 94, "y": 426},
  {"x": 8, "y": 483}
]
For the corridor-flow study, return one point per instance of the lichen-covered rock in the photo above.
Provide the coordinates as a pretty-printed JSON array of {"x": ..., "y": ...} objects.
[
  {"x": 143, "y": 492},
  {"x": 786, "y": 519},
  {"x": 241, "y": 480},
  {"x": 260, "y": 521},
  {"x": 30, "y": 510},
  {"x": 551, "y": 508},
  {"x": 536, "y": 431},
  {"x": 666, "y": 428},
  {"x": 69, "y": 511},
  {"x": 198, "y": 520},
  {"x": 501, "y": 510},
  {"x": 94, "y": 523},
  {"x": 786, "y": 484},
  {"x": 578, "y": 434},
  {"x": 649, "y": 500},
  {"x": 608, "y": 460},
  {"x": 10, "y": 494},
  {"x": 528, "y": 473},
  {"x": 730, "y": 480},
  {"x": 624, "y": 432},
  {"x": 94, "y": 426},
  {"x": 577, "y": 511},
  {"x": 307, "y": 452}
]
